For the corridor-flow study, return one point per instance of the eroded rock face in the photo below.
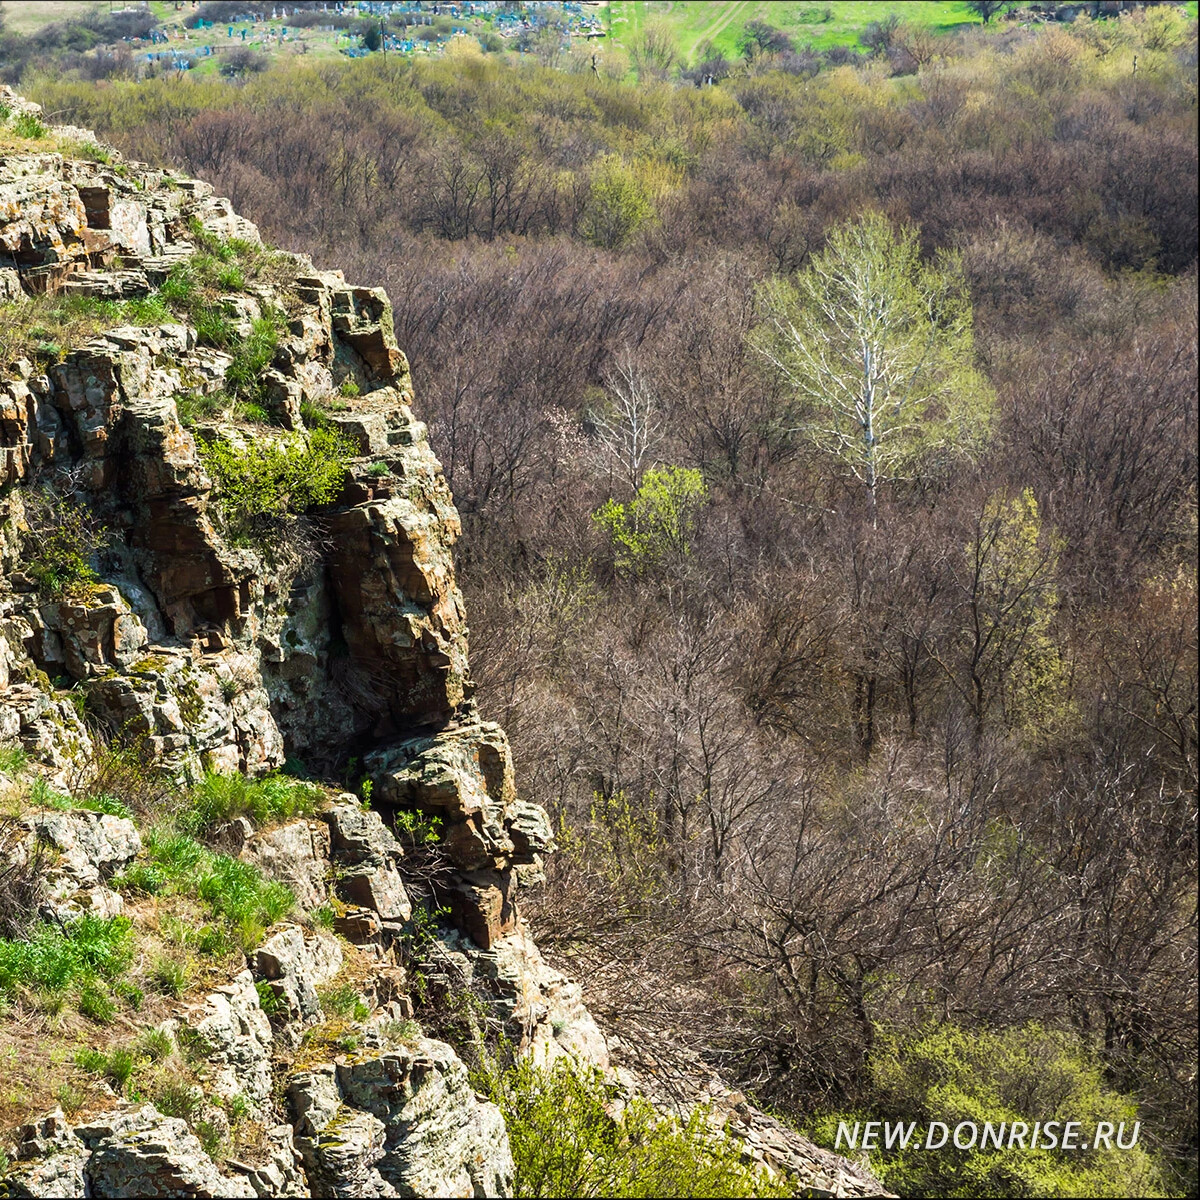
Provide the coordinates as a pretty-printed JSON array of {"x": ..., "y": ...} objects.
[
  {"x": 402, "y": 1123},
  {"x": 216, "y": 654},
  {"x": 127, "y": 1153},
  {"x": 81, "y": 851}
]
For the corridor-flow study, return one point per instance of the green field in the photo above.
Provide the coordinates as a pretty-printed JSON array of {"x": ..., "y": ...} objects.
[{"x": 694, "y": 22}]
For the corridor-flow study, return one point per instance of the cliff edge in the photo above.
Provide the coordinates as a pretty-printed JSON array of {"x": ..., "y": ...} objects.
[{"x": 226, "y": 552}]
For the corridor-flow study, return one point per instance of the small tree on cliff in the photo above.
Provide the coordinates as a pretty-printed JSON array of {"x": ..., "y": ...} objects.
[{"x": 878, "y": 349}]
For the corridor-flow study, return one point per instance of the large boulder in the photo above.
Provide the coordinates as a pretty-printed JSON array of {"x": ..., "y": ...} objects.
[{"x": 464, "y": 776}]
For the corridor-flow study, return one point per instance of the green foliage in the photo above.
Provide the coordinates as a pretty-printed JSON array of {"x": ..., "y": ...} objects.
[
  {"x": 566, "y": 1142},
  {"x": 220, "y": 798},
  {"x": 1024, "y": 1073},
  {"x": 323, "y": 917},
  {"x": 618, "y": 205},
  {"x": 54, "y": 958},
  {"x": 177, "y": 1098},
  {"x": 130, "y": 993},
  {"x": 621, "y": 846},
  {"x": 43, "y": 327},
  {"x": 377, "y": 470},
  {"x": 63, "y": 539},
  {"x": 13, "y": 761},
  {"x": 878, "y": 349},
  {"x": 94, "y": 152},
  {"x": 268, "y": 1000},
  {"x": 349, "y": 387},
  {"x": 95, "y": 1002},
  {"x": 661, "y": 519},
  {"x": 198, "y": 406},
  {"x": 117, "y": 1067},
  {"x": 214, "y": 328},
  {"x": 155, "y": 1044},
  {"x": 29, "y": 125},
  {"x": 251, "y": 356},
  {"x": 237, "y": 892},
  {"x": 417, "y": 828},
  {"x": 256, "y": 485}
]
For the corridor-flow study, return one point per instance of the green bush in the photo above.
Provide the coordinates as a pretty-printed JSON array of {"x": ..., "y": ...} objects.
[
  {"x": 95, "y": 1002},
  {"x": 117, "y": 1067},
  {"x": 29, "y": 125},
  {"x": 172, "y": 976},
  {"x": 659, "y": 521},
  {"x": 566, "y": 1142},
  {"x": 1024, "y": 1073},
  {"x": 618, "y": 205},
  {"x": 256, "y": 485},
  {"x": 54, "y": 958},
  {"x": 178, "y": 1098}
]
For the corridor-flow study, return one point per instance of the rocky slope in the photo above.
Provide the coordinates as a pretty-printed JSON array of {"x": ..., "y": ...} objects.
[{"x": 335, "y": 636}]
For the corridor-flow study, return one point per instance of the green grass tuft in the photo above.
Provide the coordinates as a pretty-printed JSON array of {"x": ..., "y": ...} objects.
[{"x": 54, "y": 959}]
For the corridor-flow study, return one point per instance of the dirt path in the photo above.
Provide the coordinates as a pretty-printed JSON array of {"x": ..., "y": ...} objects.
[{"x": 722, "y": 22}]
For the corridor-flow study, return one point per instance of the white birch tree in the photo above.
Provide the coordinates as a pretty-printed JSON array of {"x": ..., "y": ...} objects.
[{"x": 878, "y": 349}]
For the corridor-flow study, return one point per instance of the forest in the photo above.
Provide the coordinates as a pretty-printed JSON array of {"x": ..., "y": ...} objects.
[{"x": 852, "y": 646}]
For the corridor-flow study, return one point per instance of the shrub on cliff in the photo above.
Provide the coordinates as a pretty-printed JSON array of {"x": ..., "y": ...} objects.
[
  {"x": 566, "y": 1141},
  {"x": 256, "y": 486},
  {"x": 64, "y": 537}
]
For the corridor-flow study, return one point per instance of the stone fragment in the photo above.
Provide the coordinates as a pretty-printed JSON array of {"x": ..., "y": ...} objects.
[
  {"x": 296, "y": 854},
  {"x": 295, "y": 966},
  {"x": 233, "y": 1027},
  {"x": 378, "y": 887}
]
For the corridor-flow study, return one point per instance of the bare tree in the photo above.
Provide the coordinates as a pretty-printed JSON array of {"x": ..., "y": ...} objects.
[{"x": 631, "y": 426}]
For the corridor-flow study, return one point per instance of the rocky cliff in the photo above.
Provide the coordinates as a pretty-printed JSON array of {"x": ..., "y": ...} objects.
[{"x": 162, "y": 606}]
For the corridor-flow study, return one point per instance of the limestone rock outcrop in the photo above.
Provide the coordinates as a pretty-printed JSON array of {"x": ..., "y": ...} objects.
[
  {"x": 127, "y": 1153},
  {"x": 401, "y": 1123}
]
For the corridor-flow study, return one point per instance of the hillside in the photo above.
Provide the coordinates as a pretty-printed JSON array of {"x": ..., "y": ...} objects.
[
  {"x": 218, "y": 978},
  {"x": 823, "y": 441}
]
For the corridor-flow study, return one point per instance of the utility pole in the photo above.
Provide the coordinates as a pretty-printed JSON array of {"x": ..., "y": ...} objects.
[{"x": 383, "y": 39}]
